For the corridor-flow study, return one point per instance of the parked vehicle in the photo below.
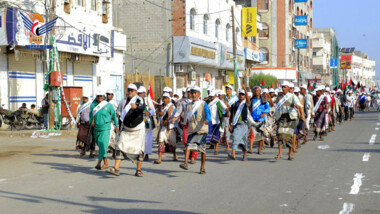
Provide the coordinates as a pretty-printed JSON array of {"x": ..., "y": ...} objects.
[{"x": 15, "y": 120}]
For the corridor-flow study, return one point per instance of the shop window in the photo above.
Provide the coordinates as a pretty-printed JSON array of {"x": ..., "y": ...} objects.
[
  {"x": 217, "y": 26},
  {"x": 181, "y": 80},
  {"x": 80, "y": 3},
  {"x": 264, "y": 33},
  {"x": 265, "y": 53},
  {"x": 205, "y": 21},
  {"x": 219, "y": 83},
  {"x": 192, "y": 19}
]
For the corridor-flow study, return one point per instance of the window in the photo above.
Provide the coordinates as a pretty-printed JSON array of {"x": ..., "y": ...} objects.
[
  {"x": 105, "y": 12},
  {"x": 80, "y": 2},
  {"x": 219, "y": 83},
  {"x": 265, "y": 53},
  {"x": 228, "y": 28},
  {"x": 181, "y": 80},
  {"x": 264, "y": 33},
  {"x": 264, "y": 5},
  {"x": 298, "y": 11},
  {"x": 217, "y": 24},
  {"x": 192, "y": 19},
  {"x": 205, "y": 20},
  {"x": 93, "y": 4}
]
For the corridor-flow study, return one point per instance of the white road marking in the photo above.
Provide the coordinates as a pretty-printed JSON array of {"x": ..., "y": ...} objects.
[
  {"x": 378, "y": 124},
  {"x": 340, "y": 198},
  {"x": 347, "y": 208},
  {"x": 323, "y": 147},
  {"x": 283, "y": 205},
  {"x": 355, "y": 188},
  {"x": 372, "y": 140},
  {"x": 376, "y": 191},
  {"x": 366, "y": 156},
  {"x": 2, "y": 180},
  {"x": 377, "y": 128}
]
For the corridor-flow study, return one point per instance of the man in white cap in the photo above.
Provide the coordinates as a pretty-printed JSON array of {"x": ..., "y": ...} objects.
[
  {"x": 299, "y": 131},
  {"x": 217, "y": 107},
  {"x": 326, "y": 91},
  {"x": 198, "y": 117},
  {"x": 291, "y": 87},
  {"x": 132, "y": 135},
  {"x": 238, "y": 125},
  {"x": 182, "y": 114},
  {"x": 101, "y": 115},
  {"x": 287, "y": 111},
  {"x": 229, "y": 100},
  {"x": 308, "y": 110},
  {"x": 166, "y": 134},
  {"x": 84, "y": 141},
  {"x": 149, "y": 113},
  {"x": 320, "y": 110},
  {"x": 350, "y": 99},
  {"x": 341, "y": 98},
  {"x": 168, "y": 90},
  {"x": 111, "y": 99}
]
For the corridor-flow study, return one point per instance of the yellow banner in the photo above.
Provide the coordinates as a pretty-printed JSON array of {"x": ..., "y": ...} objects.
[{"x": 249, "y": 21}]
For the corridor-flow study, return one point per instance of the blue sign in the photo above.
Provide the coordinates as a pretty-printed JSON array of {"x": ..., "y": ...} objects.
[
  {"x": 300, "y": 43},
  {"x": 300, "y": 1},
  {"x": 300, "y": 20},
  {"x": 334, "y": 63}
]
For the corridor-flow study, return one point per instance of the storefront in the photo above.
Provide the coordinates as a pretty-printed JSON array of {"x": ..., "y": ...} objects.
[{"x": 202, "y": 63}]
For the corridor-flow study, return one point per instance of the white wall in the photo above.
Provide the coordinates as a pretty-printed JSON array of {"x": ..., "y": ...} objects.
[
  {"x": 209, "y": 7},
  {"x": 4, "y": 80}
]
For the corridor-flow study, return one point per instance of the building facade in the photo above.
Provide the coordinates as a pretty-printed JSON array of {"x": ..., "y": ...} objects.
[
  {"x": 277, "y": 39},
  {"x": 88, "y": 56}
]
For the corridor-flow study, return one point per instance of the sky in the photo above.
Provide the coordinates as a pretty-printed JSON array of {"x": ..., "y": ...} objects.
[{"x": 357, "y": 23}]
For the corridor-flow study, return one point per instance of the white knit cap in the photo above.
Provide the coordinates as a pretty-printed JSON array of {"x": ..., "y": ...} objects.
[
  {"x": 196, "y": 88},
  {"x": 212, "y": 93},
  {"x": 142, "y": 89},
  {"x": 241, "y": 91},
  {"x": 100, "y": 92},
  {"x": 132, "y": 86},
  {"x": 285, "y": 83},
  {"x": 109, "y": 91},
  {"x": 167, "y": 89},
  {"x": 166, "y": 95},
  {"x": 304, "y": 86},
  {"x": 271, "y": 90},
  {"x": 230, "y": 86},
  {"x": 291, "y": 85},
  {"x": 265, "y": 90},
  {"x": 296, "y": 89}
]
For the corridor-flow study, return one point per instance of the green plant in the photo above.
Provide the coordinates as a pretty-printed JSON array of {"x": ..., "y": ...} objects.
[{"x": 256, "y": 80}]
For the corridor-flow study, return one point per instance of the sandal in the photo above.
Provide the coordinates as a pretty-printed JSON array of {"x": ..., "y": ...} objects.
[
  {"x": 295, "y": 150},
  {"x": 139, "y": 173},
  {"x": 259, "y": 152},
  {"x": 231, "y": 157},
  {"x": 113, "y": 171},
  {"x": 278, "y": 157},
  {"x": 192, "y": 162},
  {"x": 203, "y": 171},
  {"x": 175, "y": 159},
  {"x": 250, "y": 151},
  {"x": 291, "y": 158},
  {"x": 245, "y": 159},
  {"x": 184, "y": 166},
  {"x": 97, "y": 167},
  {"x": 157, "y": 162}
]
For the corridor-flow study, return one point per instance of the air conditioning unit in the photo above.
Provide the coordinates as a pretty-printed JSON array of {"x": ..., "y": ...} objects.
[
  {"x": 193, "y": 76},
  {"x": 226, "y": 79},
  {"x": 178, "y": 68}
]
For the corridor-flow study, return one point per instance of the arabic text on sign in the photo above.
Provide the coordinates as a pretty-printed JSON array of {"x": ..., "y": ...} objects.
[{"x": 202, "y": 52}]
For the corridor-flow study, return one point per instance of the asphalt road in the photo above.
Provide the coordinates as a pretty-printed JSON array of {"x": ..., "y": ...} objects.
[{"x": 45, "y": 176}]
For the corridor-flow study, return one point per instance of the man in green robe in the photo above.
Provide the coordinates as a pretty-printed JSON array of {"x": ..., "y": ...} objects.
[{"x": 101, "y": 114}]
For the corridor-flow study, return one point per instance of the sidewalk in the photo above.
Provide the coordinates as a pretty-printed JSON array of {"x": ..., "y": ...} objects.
[{"x": 28, "y": 133}]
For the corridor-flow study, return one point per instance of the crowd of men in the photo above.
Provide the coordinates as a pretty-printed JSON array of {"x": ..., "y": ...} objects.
[{"x": 234, "y": 119}]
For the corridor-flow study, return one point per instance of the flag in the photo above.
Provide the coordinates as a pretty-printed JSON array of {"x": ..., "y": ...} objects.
[
  {"x": 351, "y": 83},
  {"x": 278, "y": 86},
  {"x": 309, "y": 85},
  {"x": 150, "y": 93},
  {"x": 263, "y": 83},
  {"x": 271, "y": 85},
  {"x": 315, "y": 83}
]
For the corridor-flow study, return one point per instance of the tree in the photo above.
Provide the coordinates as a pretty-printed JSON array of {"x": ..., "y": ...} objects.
[{"x": 256, "y": 80}]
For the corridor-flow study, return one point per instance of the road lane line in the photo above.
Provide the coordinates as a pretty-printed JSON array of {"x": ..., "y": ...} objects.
[
  {"x": 372, "y": 140},
  {"x": 378, "y": 124},
  {"x": 347, "y": 208},
  {"x": 366, "y": 157},
  {"x": 2, "y": 180},
  {"x": 355, "y": 188},
  {"x": 377, "y": 128}
]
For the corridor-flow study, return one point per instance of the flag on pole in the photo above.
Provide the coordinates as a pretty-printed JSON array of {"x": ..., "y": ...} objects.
[
  {"x": 278, "y": 86},
  {"x": 150, "y": 93},
  {"x": 271, "y": 85},
  {"x": 351, "y": 83},
  {"x": 263, "y": 83},
  {"x": 315, "y": 83},
  {"x": 309, "y": 85}
]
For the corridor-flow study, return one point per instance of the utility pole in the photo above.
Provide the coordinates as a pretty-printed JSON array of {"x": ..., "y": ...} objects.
[
  {"x": 234, "y": 48},
  {"x": 48, "y": 68}
]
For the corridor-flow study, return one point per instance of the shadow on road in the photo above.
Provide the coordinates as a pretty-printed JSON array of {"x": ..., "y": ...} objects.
[{"x": 93, "y": 207}]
